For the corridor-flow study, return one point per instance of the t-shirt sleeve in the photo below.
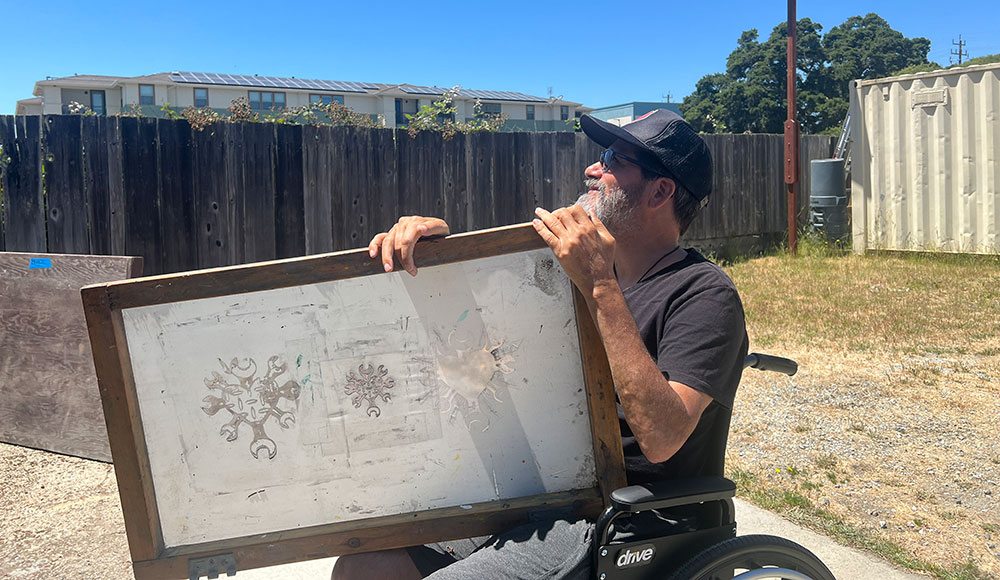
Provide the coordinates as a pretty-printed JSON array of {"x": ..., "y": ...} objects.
[{"x": 704, "y": 342}]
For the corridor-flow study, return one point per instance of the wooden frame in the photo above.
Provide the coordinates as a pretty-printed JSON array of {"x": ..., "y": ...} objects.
[{"x": 104, "y": 304}]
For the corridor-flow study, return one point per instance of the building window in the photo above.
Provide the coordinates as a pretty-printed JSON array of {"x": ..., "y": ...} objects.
[
  {"x": 491, "y": 109},
  {"x": 326, "y": 99},
  {"x": 405, "y": 107},
  {"x": 529, "y": 112},
  {"x": 97, "y": 104},
  {"x": 564, "y": 112},
  {"x": 146, "y": 95},
  {"x": 264, "y": 101},
  {"x": 201, "y": 97}
]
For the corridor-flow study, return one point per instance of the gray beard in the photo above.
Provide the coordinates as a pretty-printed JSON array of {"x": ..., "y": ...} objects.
[{"x": 613, "y": 206}]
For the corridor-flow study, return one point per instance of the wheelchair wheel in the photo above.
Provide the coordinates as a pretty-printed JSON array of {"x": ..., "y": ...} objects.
[{"x": 754, "y": 557}]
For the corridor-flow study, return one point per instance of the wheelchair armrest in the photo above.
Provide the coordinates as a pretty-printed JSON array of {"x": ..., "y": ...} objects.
[{"x": 668, "y": 494}]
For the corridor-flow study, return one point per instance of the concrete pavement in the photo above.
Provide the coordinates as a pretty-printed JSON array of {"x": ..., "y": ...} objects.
[{"x": 845, "y": 563}]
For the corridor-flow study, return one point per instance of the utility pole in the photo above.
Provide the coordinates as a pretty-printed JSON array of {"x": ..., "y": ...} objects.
[
  {"x": 959, "y": 53},
  {"x": 792, "y": 136}
]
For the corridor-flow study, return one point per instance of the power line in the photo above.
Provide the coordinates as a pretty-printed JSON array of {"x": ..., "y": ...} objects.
[{"x": 959, "y": 53}]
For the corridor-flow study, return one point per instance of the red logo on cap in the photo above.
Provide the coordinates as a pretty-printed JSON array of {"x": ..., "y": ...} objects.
[{"x": 646, "y": 115}]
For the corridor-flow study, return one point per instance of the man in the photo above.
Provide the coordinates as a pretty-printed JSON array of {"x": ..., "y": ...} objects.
[{"x": 671, "y": 322}]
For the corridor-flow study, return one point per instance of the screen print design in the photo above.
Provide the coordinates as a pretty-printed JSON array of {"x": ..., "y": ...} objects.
[{"x": 251, "y": 399}]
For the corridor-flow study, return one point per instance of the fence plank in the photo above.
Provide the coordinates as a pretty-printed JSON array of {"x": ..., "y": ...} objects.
[
  {"x": 258, "y": 193},
  {"x": 143, "y": 235},
  {"x": 24, "y": 203},
  {"x": 6, "y": 147},
  {"x": 209, "y": 195},
  {"x": 233, "y": 206},
  {"x": 177, "y": 211},
  {"x": 65, "y": 206},
  {"x": 385, "y": 210},
  {"x": 116, "y": 186},
  {"x": 289, "y": 229},
  {"x": 95, "y": 184},
  {"x": 317, "y": 187}
]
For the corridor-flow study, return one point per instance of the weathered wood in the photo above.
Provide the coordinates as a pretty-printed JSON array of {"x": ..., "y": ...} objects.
[
  {"x": 96, "y": 187},
  {"x": 177, "y": 207},
  {"x": 121, "y": 415},
  {"x": 308, "y": 190},
  {"x": 313, "y": 269},
  {"x": 65, "y": 206},
  {"x": 24, "y": 213},
  {"x": 356, "y": 537},
  {"x": 210, "y": 200},
  {"x": 234, "y": 202},
  {"x": 601, "y": 399},
  {"x": 48, "y": 390},
  {"x": 317, "y": 189},
  {"x": 258, "y": 218},
  {"x": 116, "y": 186},
  {"x": 143, "y": 233},
  {"x": 289, "y": 226}
]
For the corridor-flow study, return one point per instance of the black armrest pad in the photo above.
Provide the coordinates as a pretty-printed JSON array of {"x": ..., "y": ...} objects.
[{"x": 667, "y": 494}]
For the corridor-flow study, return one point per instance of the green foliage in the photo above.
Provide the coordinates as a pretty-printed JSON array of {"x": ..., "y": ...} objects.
[
  {"x": 988, "y": 59},
  {"x": 440, "y": 116},
  {"x": 750, "y": 95}
]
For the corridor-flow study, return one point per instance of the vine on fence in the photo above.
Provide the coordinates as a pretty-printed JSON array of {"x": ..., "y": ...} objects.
[{"x": 438, "y": 116}]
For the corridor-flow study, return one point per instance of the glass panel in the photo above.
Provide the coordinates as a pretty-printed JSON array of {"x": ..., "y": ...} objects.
[
  {"x": 255, "y": 100},
  {"x": 201, "y": 97},
  {"x": 529, "y": 111},
  {"x": 146, "y": 95},
  {"x": 316, "y": 99},
  {"x": 279, "y": 100},
  {"x": 338, "y": 99},
  {"x": 266, "y": 101}
]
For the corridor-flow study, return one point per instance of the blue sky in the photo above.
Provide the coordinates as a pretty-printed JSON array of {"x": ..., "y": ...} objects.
[{"x": 597, "y": 53}]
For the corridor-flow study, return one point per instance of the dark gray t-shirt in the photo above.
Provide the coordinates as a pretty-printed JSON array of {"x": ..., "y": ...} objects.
[{"x": 691, "y": 321}]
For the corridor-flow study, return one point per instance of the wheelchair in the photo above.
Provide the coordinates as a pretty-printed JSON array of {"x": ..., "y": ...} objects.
[{"x": 697, "y": 539}]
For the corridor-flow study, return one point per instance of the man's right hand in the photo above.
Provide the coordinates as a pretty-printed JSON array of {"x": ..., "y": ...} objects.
[{"x": 402, "y": 238}]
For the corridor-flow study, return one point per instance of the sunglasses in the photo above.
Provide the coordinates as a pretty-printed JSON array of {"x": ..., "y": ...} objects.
[{"x": 609, "y": 155}]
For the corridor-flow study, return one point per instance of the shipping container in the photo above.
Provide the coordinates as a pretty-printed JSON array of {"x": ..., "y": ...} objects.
[{"x": 924, "y": 161}]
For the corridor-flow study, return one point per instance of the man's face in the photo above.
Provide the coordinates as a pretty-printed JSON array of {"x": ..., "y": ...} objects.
[{"x": 614, "y": 193}]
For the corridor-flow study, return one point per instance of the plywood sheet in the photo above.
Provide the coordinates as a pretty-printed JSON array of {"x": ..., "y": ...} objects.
[
  {"x": 361, "y": 398},
  {"x": 48, "y": 390}
]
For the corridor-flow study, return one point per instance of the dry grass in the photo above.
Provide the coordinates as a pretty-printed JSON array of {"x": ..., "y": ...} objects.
[{"x": 887, "y": 437}]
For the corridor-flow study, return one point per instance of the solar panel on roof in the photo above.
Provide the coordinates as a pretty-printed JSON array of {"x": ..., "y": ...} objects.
[
  {"x": 422, "y": 90},
  {"x": 271, "y": 82},
  {"x": 500, "y": 96}
]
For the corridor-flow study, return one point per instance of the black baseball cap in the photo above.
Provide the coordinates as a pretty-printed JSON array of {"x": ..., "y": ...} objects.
[{"x": 665, "y": 140}]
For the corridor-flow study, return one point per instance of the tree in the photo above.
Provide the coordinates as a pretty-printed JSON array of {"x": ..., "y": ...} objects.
[{"x": 751, "y": 94}]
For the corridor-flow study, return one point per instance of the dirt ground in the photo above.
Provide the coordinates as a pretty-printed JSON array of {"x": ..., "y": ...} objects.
[{"x": 902, "y": 449}]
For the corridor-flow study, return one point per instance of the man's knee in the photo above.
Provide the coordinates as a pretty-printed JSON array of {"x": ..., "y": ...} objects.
[{"x": 387, "y": 564}]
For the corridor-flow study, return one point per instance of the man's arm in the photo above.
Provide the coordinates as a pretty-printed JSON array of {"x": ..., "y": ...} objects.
[{"x": 661, "y": 413}]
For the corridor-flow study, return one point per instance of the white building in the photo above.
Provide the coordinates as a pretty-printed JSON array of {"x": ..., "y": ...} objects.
[{"x": 106, "y": 95}]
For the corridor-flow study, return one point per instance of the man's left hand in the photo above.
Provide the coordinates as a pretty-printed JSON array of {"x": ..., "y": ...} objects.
[{"x": 581, "y": 243}]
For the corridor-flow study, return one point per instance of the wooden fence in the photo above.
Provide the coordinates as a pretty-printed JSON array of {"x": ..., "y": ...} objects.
[{"x": 244, "y": 192}]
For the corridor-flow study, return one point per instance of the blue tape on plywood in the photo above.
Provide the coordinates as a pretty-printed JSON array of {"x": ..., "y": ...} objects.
[{"x": 39, "y": 263}]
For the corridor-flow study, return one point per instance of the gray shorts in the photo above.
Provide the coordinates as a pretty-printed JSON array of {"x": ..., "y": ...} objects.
[{"x": 549, "y": 551}]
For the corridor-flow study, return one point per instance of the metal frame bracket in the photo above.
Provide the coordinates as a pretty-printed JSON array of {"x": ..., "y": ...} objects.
[{"x": 210, "y": 566}]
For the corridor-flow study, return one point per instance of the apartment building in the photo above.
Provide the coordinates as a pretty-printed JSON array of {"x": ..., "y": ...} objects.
[{"x": 108, "y": 95}]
